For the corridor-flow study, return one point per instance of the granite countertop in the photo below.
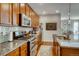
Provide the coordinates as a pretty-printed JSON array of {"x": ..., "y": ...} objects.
[
  {"x": 7, "y": 47},
  {"x": 68, "y": 43}
]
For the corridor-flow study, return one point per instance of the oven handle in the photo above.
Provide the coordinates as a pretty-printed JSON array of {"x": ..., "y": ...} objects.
[{"x": 33, "y": 39}]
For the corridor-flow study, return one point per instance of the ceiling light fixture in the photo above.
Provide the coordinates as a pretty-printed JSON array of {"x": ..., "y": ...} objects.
[
  {"x": 69, "y": 13},
  {"x": 44, "y": 12},
  {"x": 40, "y": 4},
  {"x": 57, "y": 11}
]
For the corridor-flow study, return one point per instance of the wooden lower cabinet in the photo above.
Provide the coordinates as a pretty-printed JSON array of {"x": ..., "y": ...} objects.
[
  {"x": 23, "y": 53},
  {"x": 56, "y": 49},
  {"x": 39, "y": 42},
  {"x": 14, "y": 53},
  {"x": 69, "y": 51},
  {"x": 23, "y": 50},
  {"x": 64, "y": 51}
]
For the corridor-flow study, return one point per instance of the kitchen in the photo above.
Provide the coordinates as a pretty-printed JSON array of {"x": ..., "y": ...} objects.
[
  {"x": 20, "y": 34},
  {"x": 26, "y": 30}
]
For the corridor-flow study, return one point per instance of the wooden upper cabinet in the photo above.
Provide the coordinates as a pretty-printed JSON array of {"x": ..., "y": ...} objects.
[
  {"x": 27, "y": 10},
  {"x": 22, "y": 8},
  {"x": 33, "y": 19},
  {"x": 30, "y": 12},
  {"x": 16, "y": 13},
  {"x": 23, "y": 50},
  {"x": 37, "y": 20},
  {"x": 9, "y": 13},
  {"x": 6, "y": 13}
]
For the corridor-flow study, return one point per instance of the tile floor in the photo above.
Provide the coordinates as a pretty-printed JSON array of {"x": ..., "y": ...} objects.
[{"x": 45, "y": 51}]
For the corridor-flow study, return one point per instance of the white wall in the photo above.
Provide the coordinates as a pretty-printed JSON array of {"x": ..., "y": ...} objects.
[{"x": 47, "y": 35}]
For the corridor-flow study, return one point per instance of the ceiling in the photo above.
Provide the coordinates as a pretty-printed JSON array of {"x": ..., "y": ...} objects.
[{"x": 53, "y": 8}]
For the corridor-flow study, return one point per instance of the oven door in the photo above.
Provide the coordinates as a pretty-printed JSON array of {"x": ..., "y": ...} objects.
[
  {"x": 32, "y": 43},
  {"x": 33, "y": 47}
]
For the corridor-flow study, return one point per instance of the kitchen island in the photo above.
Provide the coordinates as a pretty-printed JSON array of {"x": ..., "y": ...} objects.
[{"x": 63, "y": 47}]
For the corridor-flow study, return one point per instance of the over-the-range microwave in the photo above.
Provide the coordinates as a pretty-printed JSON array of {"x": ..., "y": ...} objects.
[{"x": 24, "y": 20}]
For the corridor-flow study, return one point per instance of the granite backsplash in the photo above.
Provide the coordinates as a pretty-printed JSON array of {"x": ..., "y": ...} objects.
[{"x": 5, "y": 32}]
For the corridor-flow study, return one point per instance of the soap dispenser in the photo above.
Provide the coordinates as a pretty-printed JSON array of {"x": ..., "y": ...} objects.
[{"x": 11, "y": 36}]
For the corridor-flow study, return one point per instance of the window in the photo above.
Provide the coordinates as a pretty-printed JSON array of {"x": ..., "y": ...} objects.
[{"x": 76, "y": 35}]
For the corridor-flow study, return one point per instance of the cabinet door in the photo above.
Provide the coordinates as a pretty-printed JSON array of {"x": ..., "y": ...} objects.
[
  {"x": 36, "y": 24},
  {"x": 14, "y": 53},
  {"x": 27, "y": 10},
  {"x": 55, "y": 48},
  {"x": 23, "y": 50},
  {"x": 5, "y": 13},
  {"x": 31, "y": 16},
  {"x": 33, "y": 19},
  {"x": 10, "y": 14},
  {"x": 15, "y": 13},
  {"x": 37, "y": 21},
  {"x": 22, "y": 8}
]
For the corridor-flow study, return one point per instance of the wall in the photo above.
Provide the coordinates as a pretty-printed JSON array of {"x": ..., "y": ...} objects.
[{"x": 47, "y": 35}]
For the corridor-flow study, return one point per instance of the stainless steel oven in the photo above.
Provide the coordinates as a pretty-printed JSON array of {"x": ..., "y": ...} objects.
[{"x": 33, "y": 46}]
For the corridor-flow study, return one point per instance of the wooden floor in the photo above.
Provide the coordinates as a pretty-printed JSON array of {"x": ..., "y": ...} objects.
[
  {"x": 47, "y": 43},
  {"x": 45, "y": 49}
]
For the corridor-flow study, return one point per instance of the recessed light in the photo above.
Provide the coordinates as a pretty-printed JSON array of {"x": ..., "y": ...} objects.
[
  {"x": 40, "y": 4},
  {"x": 44, "y": 12},
  {"x": 57, "y": 11}
]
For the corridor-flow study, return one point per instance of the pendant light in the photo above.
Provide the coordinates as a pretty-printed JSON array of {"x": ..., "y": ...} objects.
[
  {"x": 69, "y": 22},
  {"x": 69, "y": 12}
]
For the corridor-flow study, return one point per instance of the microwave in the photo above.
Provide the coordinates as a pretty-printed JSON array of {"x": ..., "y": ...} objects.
[{"x": 24, "y": 20}]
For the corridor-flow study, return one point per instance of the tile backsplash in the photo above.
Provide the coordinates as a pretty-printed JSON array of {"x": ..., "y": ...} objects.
[{"x": 5, "y": 32}]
